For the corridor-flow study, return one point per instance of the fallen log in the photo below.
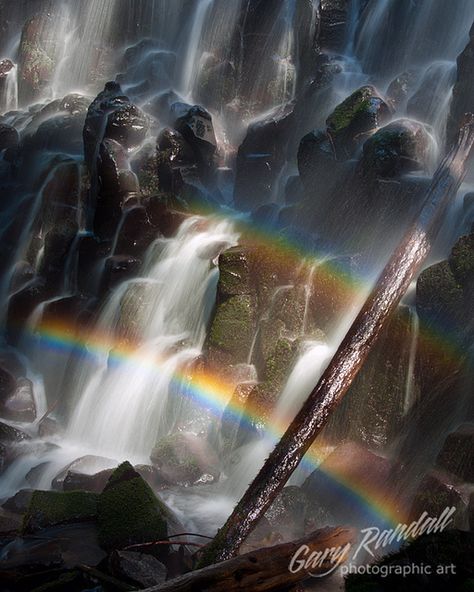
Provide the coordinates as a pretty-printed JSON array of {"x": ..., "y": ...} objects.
[
  {"x": 269, "y": 568},
  {"x": 351, "y": 354}
]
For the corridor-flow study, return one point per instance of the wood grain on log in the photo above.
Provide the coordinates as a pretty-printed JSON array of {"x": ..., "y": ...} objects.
[{"x": 266, "y": 569}]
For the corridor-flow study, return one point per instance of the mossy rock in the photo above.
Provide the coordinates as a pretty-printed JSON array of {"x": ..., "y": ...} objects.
[
  {"x": 129, "y": 512},
  {"x": 438, "y": 294},
  {"x": 400, "y": 147},
  {"x": 233, "y": 327},
  {"x": 234, "y": 278},
  {"x": 356, "y": 117},
  {"x": 461, "y": 261},
  {"x": 50, "y": 508},
  {"x": 279, "y": 363}
]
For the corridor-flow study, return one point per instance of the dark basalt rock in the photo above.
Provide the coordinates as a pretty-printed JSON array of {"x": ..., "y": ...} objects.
[
  {"x": 424, "y": 104},
  {"x": 356, "y": 118},
  {"x": 401, "y": 88},
  {"x": 117, "y": 184},
  {"x": 61, "y": 132},
  {"x": 260, "y": 159},
  {"x": 117, "y": 269},
  {"x": 457, "y": 454},
  {"x": 110, "y": 99},
  {"x": 20, "y": 405},
  {"x": 22, "y": 304},
  {"x": 138, "y": 568},
  {"x": 194, "y": 123},
  {"x": 57, "y": 244},
  {"x": 127, "y": 125},
  {"x": 184, "y": 458},
  {"x": 402, "y": 146},
  {"x": 9, "y": 137},
  {"x": 334, "y": 17},
  {"x": 18, "y": 503},
  {"x": 7, "y": 385},
  {"x": 136, "y": 232}
]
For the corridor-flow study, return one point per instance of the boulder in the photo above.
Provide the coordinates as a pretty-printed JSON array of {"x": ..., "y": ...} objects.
[
  {"x": 18, "y": 503},
  {"x": 436, "y": 492},
  {"x": 457, "y": 453},
  {"x": 334, "y": 19},
  {"x": 75, "y": 480},
  {"x": 9, "y": 137},
  {"x": 129, "y": 513},
  {"x": 461, "y": 262},
  {"x": 85, "y": 465},
  {"x": 117, "y": 269},
  {"x": 127, "y": 125},
  {"x": 261, "y": 157},
  {"x": 184, "y": 458},
  {"x": 401, "y": 88},
  {"x": 356, "y": 118},
  {"x": 20, "y": 405},
  {"x": 403, "y": 146},
  {"x": 50, "y": 508},
  {"x": 138, "y": 568},
  {"x": 57, "y": 245},
  {"x": 108, "y": 100}
]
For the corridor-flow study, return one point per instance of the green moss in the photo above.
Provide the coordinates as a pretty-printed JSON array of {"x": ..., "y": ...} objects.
[
  {"x": 438, "y": 293},
  {"x": 129, "y": 512},
  {"x": 48, "y": 508},
  {"x": 175, "y": 452},
  {"x": 233, "y": 327},
  {"x": 345, "y": 113},
  {"x": 234, "y": 271},
  {"x": 279, "y": 363}
]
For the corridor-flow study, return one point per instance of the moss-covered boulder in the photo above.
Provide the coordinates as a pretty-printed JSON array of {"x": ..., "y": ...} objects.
[
  {"x": 184, "y": 458},
  {"x": 129, "y": 512},
  {"x": 279, "y": 363},
  {"x": 233, "y": 328},
  {"x": 50, "y": 508},
  {"x": 461, "y": 261},
  {"x": 401, "y": 147},
  {"x": 234, "y": 267},
  {"x": 444, "y": 562},
  {"x": 355, "y": 118}
]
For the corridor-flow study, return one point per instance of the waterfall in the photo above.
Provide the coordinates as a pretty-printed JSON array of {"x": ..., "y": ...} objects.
[
  {"x": 11, "y": 90},
  {"x": 164, "y": 315},
  {"x": 191, "y": 60}
]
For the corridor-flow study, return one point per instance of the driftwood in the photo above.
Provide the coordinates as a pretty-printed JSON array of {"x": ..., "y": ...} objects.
[
  {"x": 351, "y": 354},
  {"x": 269, "y": 568}
]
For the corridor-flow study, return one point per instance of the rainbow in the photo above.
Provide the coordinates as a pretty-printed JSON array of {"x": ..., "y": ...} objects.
[{"x": 216, "y": 395}]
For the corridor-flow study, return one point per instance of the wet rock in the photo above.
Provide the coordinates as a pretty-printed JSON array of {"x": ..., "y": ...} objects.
[
  {"x": 9, "y": 434},
  {"x": 129, "y": 511},
  {"x": 18, "y": 504},
  {"x": 374, "y": 410},
  {"x": 85, "y": 465},
  {"x": 136, "y": 232},
  {"x": 57, "y": 244},
  {"x": 20, "y": 405},
  {"x": 287, "y": 514},
  {"x": 457, "y": 454},
  {"x": 183, "y": 458},
  {"x": 234, "y": 267},
  {"x": 10, "y": 524},
  {"x": 356, "y": 118},
  {"x": 127, "y": 125},
  {"x": 194, "y": 123},
  {"x": 424, "y": 104},
  {"x": 23, "y": 303},
  {"x": 7, "y": 385},
  {"x": 334, "y": 20},
  {"x": 463, "y": 92},
  {"x": 175, "y": 160},
  {"x": 260, "y": 159},
  {"x": 110, "y": 99},
  {"x": 401, "y": 88},
  {"x": 461, "y": 263},
  {"x": 402, "y": 146},
  {"x": 351, "y": 463},
  {"x": 439, "y": 296},
  {"x": 294, "y": 190},
  {"x": 48, "y": 427},
  {"x": 233, "y": 329},
  {"x": 9, "y": 137},
  {"x": 117, "y": 183},
  {"x": 117, "y": 269},
  {"x": 233, "y": 429},
  {"x": 217, "y": 82},
  {"x": 62, "y": 195},
  {"x": 50, "y": 508},
  {"x": 95, "y": 483},
  {"x": 38, "y": 54},
  {"x": 436, "y": 492},
  {"x": 60, "y": 132},
  {"x": 139, "y": 568},
  {"x": 160, "y": 107}
]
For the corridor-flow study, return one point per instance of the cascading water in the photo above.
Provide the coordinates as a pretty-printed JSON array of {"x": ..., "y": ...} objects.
[
  {"x": 112, "y": 326},
  {"x": 163, "y": 317}
]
